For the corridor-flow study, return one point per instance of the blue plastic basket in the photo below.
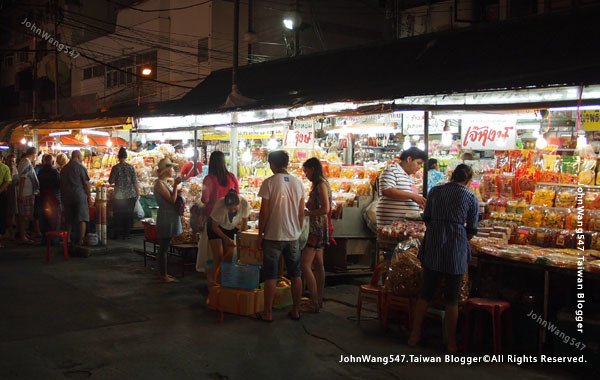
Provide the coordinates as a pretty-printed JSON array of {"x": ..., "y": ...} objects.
[{"x": 239, "y": 276}]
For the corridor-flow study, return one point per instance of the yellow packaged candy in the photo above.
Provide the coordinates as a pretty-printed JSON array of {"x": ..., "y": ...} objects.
[{"x": 543, "y": 197}]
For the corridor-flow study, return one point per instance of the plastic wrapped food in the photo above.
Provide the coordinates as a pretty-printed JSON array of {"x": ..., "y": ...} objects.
[
  {"x": 587, "y": 173},
  {"x": 593, "y": 221},
  {"x": 545, "y": 238},
  {"x": 523, "y": 236},
  {"x": 566, "y": 197},
  {"x": 591, "y": 200},
  {"x": 490, "y": 188},
  {"x": 533, "y": 217},
  {"x": 438, "y": 298},
  {"x": 404, "y": 273},
  {"x": 593, "y": 266},
  {"x": 554, "y": 218},
  {"x": 543, "y": 196},
  {"x": 571, "y": 220},
  {"x": 565, "y": 239}
]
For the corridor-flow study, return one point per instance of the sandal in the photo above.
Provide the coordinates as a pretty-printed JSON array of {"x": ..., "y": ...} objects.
[
  {"x": 260, "y": 317},
  {"x": 293, "y": 317}
]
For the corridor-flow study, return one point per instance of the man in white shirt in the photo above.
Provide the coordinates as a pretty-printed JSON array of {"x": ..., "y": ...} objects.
[
  {"x": 280, "y": 226},
  {"x": 398, "y": 199}
]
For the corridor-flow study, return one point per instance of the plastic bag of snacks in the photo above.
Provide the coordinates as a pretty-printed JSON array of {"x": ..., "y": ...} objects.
[
  {"x": 523, "y": 236},
  {"x": 490, "y": 188},
  {"x": 543, "y": 196},
  {"x": 503, "y": 161},
  {"x": 554, "y": 218},
  {"x": 533, "y": 217},
  {"x": 565, "y": 239},
  {"x": 404, "y": 273},
  {"x": 591, "y": 200},
  {"x": 586, "y": 175},
  {"x": 593, "y": 221},
  {"x": 566, "y": 197},
  {"x": 506, "y": 185},
  {"x": 569, "y": 170},
  {"x": 545, "y": 238},
  {"x": 571, "y": 220},
  {"x": 438, "y": 299}
]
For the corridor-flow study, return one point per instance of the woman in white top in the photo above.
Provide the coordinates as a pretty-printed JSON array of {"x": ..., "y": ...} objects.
[{"x": 229, "y": 215}]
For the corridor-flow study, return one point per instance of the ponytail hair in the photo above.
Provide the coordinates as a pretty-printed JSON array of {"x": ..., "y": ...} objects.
[
  {"x": 232, "y": 198},
  {"x": 462, "y": 173}
]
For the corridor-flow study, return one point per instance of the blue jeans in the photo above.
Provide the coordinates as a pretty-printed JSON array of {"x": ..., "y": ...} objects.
[{"x": 273, "y": 250}]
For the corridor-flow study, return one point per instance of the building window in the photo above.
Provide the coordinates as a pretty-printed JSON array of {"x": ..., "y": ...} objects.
[
  {"x": 23, "y": 56},
  {"x": 87, "y": 73},
  {"x": 203, "y": 50},
  {"x": 93, "y": 72},
  {"x": 124, "y": 71}
]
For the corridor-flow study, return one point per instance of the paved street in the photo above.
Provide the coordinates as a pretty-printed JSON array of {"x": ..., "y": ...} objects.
[{"x": 107, "y": 317}]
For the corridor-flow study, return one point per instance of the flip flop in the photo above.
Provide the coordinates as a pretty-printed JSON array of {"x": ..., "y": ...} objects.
[
  {"x": 293, "y": 317},
  {"x": 260, "y": 317}
]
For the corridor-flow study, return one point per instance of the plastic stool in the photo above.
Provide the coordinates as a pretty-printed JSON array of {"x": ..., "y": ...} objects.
[
  {"x": 496, "y": 308},
  {"x": 373, "y": 291},
  {"x": 64, "y": 235}
]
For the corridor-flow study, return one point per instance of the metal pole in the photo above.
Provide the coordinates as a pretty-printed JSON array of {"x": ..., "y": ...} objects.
[
  {"x": 196, "y": 152},
  {"x": 297, "y": 31},
  {"x": 236, "y": 42},
  {"x": 233, "y": 149},
  {"x": 426, "y": 138}
]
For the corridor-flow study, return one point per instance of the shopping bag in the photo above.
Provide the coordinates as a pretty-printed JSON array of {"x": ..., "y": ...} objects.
[
  {"x": 304, "y": 234},
  {"x": 204, "y": 255},
  {"x": 138, "y": 210}
]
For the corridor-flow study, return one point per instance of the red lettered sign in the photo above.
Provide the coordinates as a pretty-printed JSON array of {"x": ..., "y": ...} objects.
[{"x": 489, "y": 134}]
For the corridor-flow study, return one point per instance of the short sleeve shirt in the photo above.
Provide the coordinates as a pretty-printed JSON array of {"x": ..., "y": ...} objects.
[
  {"x": 284, "y": 193},
  {"x": 5, "y": 176},
  {"x": 26, "y": 172},
  {"x": 125, "y": 180},
  {"x": 220, "y": 214},
  {"x": 72, "y": 177},
  {"x": 389, "y": 209}
]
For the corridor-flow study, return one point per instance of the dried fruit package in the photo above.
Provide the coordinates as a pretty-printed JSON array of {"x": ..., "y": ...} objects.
[
  {"x": 490, "y": 187},
  {"x": 571, "y": 220},
  {"x": 506, "y": 184},
  {"x": 524, "y": 236},
  {"x": 593, "y": 222},
  {"x": 503, "y": 161},
  {"x": 588, "y": 170},
  {"x": 533, "y": 217},
  {"x": 566, "y": 197},
  {"x": 544, "y": 196},
  {"x": 404, "y": 273},
  {"x": 554, "y": 218},
  {"x": 591, "y": 200},
  {"x": 565, "y": 239},
  {"x": 545, "y": 238}
]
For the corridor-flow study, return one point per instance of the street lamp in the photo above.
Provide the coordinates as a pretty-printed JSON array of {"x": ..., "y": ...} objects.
[
  {"x": 288, "y": 23},
  {"x": 146, "y": 71}
]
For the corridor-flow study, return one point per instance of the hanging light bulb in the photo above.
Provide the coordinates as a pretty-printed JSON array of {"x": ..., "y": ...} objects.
[
  {"x": 416, "y": 137},
  {"x": 86, "y": 140},
  {"x": 189, "y": 152},
  {"x": 247, "y": 156},
  {"x": 535, "y": 134},
  {"x": 23, "y": 141},
  {"x": 446, "y": 138},
  {"x": 421, "y": 145},
  {"x": 109, "y": 142},
  {"x": 30, "y": 143},
  {"x": 143, "y": 140},
  {"x": 541, "y": 142},
  {"x": 406, "y": 145},
  {"x": 184, "y": 141},
  {"x": 162, "y": 138},
  {"x": 581, "y": 141},
  {"x": 242, "y": 144},
  {"x": 58, "y": 146}
]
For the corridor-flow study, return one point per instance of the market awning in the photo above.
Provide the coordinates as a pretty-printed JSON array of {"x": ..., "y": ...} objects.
[
  {"x": 93, "y": 141},
  {"x": 80, "y": 124},
  {"x": 546, "y": 51}
]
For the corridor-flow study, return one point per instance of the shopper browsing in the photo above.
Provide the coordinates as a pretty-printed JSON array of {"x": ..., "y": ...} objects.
[
  {"x": 229, "y": 216},
  {"x": 317, "y": 209},
  {"x": 397, "y": 197},
  {"x": 76, "y": 196},
  {"x": 28, "y": 187},
  {"x": 434, "y": 175},
  {"x": 168, "y": 221},
  {"x": 280, "y": 225},
  {"x": 123, "y": 177},
  {"x": 451, "y": 215}
]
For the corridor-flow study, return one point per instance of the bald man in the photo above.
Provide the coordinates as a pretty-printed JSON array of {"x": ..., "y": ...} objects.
[{"x": 75, "y": 192}]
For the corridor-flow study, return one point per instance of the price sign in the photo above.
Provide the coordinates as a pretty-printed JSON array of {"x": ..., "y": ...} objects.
[
  {"x": 301, "y": 136},
  {"x": 590, "y": 120},
  {"x": 489, "y": 134}
]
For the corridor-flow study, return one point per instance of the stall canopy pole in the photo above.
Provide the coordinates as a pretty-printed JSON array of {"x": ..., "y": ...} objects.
[
  {"x": 195, "y": 152},
  {"x": 233, "y": 149},
  {"x": 426, "y": 138}
]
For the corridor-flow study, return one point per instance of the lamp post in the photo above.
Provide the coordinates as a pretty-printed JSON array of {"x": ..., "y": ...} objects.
[{"x": 146, "y": 72}]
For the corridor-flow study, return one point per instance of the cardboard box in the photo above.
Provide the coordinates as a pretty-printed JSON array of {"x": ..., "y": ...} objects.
[
  {"x": 248, "y": 253},
  {"x": 236, "y": 301}
]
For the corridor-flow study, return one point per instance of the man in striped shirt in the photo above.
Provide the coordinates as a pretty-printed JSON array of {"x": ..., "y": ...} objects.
[{"x": 397, "y": 197}]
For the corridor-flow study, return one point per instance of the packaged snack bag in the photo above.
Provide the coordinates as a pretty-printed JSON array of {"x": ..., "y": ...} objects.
[
  {"x": 544, "y": 196},
  {"x": 566, "y": 197}
]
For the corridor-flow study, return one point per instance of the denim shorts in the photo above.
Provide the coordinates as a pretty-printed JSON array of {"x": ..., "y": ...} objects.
[
  {"x": 452, "y": 285},
  {"x": 272, "y": 251}
]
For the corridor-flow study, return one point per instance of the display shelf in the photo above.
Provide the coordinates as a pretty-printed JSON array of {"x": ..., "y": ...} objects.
[{"x": 567, "y": 185}]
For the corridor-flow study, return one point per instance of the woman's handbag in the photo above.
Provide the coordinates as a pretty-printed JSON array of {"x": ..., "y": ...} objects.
[{"x": 180, "y": 205}]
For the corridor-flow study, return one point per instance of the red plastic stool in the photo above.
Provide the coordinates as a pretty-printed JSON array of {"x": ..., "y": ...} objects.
[
  {"x": 64, "y": 235},
  {"x": 496, "y": 308}
]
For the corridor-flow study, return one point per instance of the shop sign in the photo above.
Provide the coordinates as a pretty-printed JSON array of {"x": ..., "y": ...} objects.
[
  {"x": 489, "y": 134},
  {"x": 301, "y": 135},
  {"x": 590, "y": 120},
  {"x": 413, "y": 124}
]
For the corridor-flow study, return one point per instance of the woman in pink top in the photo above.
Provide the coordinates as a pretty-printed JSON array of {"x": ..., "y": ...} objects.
[{"x": 215, "y": 186}]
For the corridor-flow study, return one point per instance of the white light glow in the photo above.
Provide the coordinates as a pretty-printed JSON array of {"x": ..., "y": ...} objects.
[
  {"x": 541, "y": 142},
  {"x": 272, "y": 144},
  {"x": 184, "y": 141},
  {"x": 421, "y": 145},
  {"x": 446, "y": 139},
  {"x": 23, "y": 141},
  {"x": 146, "y": 71},
  {"x": 288, "y": 23},
  {"x": 535, "y": 134},
  {"x": 247, "y": 156},
  {"x": 29, "y": 143},
  {"x": 223, "y": 129},
  {"x": 86, "y": 139},
  {"x": 242, "y": 144},
  {"x": 60, "y": 133},
  {"x": 581, "y": 141},
  {"x": 162, "y": 138},
  {"x": 406, "y": 145},
  {"x": 189, "y": 152},
  {"x": 143, "y": 139},
  {"x": 94, "y": 132},
  {"x": 582, "y": 108},
  {"x": 58, "y": 146},
  {"x": 109, "y": 143}
]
